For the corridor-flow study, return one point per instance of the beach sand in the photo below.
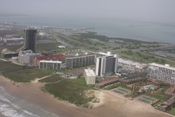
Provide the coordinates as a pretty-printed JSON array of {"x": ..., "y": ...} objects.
[{"x": 111, "y": 106}]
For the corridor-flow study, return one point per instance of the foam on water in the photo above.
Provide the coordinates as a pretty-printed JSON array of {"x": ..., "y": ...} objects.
[{"x": 14, "y": 107}]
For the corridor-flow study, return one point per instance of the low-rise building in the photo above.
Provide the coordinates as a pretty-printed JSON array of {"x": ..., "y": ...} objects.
[
  {"x": 130, "y": 65},
  {"x": 55, "y": 57},
  {"x": 89, "y": 76},
  {"x": 161, "y": 72},
  {"x": 26, "y": 57},
  {"x": 167, "y": 105},
  {"x": 44, "y": 64}
]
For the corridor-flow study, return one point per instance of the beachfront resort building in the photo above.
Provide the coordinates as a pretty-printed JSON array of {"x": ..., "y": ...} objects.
[
  {"x": 89, "y": 76},
  {"x": 55, "y": 57},
  {"x": 161, "y": 72},
  {"x": 80, "y": 61},
  {"x": 26, "y": 57},
  {"x": 106, "y": 65},
  {"x": 49, "y": 64}
]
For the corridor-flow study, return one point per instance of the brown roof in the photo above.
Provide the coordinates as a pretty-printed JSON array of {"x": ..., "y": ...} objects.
[
  {"x": 171, "y": 91},
  {"x": 107, "y": 82}
]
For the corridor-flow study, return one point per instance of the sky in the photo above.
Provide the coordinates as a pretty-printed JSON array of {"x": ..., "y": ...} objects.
[{"x": 142, "y": 10}]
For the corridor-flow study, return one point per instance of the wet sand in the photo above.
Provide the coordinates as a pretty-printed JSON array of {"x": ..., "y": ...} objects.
[{"x": 112, "y": 106}]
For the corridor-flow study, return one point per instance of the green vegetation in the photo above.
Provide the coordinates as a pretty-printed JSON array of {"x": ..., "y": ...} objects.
[
  {"x": 143, "y": 57},
  {"x": 172, "y": 111},
  {"x": 124, "y": 86},
  {"x": 159, "y": 95},
  {"x": 111, "y": 86},
  {"x": 93, "y": 35},
  {"x": 10, "y": 47},
  {"x": 54, "y": 78},
  {"x": 117, "y": 85},
  {"x": 20, "y": 73},
  {"x": 25, "y": 75},
  {"x": 72, "y": 91},
  {"x": 47, "y": 46}
]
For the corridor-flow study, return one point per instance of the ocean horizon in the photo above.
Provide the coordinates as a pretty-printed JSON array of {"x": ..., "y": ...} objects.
[
  {"x": 145, "y": 31},
  {"x": 11, "y": 106}
]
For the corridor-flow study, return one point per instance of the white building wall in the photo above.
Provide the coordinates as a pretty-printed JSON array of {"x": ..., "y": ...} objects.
[{"x": 89, "y": 76}]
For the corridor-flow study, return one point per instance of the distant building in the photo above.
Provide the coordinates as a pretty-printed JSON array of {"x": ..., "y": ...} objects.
[
  {"x": 13, "y": 40},
  {"x": 80, "y": 61},
  {"x": 55, "y": 57},
  {"x": 167, "y": 105},
  {"x": 61, "y": 46},
  {"x": 27, "y": 56},
  {"x": 30, "y": 39},
  {"x": 106, "y": 65},
  {"x": 89, "y": 76},
  {"x": 8, "y": 54},
  {"x": 130, "y": 65},
  {"x": 49, "y": 64},
  {"x": 161, "y": 72},
  {"x": 100, "y": 54}
]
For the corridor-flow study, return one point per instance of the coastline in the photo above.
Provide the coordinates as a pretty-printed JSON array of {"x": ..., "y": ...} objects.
[{"x": 114, "y": 106}]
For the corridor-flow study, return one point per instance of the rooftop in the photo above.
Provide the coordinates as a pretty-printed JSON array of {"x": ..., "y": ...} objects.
[
  {"x": 163, "y": 66},
  {"x": 50, "y": 61},
  {"x": 89, "y": 72}
]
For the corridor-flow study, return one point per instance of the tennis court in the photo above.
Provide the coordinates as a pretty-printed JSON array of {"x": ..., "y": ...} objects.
[
  {"x": 121, "y": 91},
  {"x": 146, "y": 99}
]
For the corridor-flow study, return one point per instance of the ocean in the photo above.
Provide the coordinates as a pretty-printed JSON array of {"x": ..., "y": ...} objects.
[
  {"x": 11, "y": 106},
  {"x": 146, "y": 31}
]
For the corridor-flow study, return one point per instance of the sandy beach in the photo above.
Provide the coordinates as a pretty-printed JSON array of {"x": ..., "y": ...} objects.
[{"x": 111, "y": 106}]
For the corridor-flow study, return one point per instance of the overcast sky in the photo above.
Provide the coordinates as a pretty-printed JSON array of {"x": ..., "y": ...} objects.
[{"x": 147, "y": 10}]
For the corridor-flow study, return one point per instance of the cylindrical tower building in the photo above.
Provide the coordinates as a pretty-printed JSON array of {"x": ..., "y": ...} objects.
[{"x": 30, "y": 39}]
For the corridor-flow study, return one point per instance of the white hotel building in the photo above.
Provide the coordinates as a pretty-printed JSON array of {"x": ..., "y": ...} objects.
[
  {"x": 45, "y": 64},
  {"x": 106, "y": 65},
  {"x": 89, "y": 76},
  {"x": 161, "y": 72}
]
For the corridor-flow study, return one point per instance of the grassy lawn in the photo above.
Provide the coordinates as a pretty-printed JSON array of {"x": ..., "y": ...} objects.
[
  {"x": 123, "y": 86},
  {"x": 53, "y": 78},
  {"x": 159, "y": 95},
  {"x": 47, "y": 46},
  {"x": 20, "y": 74},
  {"x": 70, "y": 90},
  {"x": 172, "y": 111},
  {"x": 25, "y": 75},
  {"x": 141, "y": 57},
  {"x": 111, "y": 86},
  {"x": 117, "y": 85}
]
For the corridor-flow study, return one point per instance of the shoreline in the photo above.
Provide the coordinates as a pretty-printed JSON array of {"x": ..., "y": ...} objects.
[{"x": 113, "y": 106}]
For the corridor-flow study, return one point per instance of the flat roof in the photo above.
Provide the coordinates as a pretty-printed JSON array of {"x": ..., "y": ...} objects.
[
  {"x": 89, "y": 72},
  {"x": 71, "y": 57},
  {"x": 164, "y": 66},
  {"x": 50, "y": 61}
]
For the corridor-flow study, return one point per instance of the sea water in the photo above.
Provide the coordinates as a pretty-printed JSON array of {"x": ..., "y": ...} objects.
[
  {"x": 147, "y": 31},
  {"x": 11, "y": 106}
]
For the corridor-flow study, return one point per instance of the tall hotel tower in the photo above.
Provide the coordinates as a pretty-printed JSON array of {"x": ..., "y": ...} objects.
[
  {"x": 30, "y": 39},
  {"x": 106, "y": 65}
]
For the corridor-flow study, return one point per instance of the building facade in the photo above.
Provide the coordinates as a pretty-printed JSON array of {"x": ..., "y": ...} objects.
[
  {"x": 106, "y": 65},
  {"x": 26, "y": 57},
  {"x": 130, "y": 65},
  {"x": 44, "y": 64},
  {"x": 55, "y": 57},
  {"x": 89, "y": 76},
  {"x": 161, "y": 72},
  {"x": 30, "y": 39},
  {"x": 80, "y": 61}
]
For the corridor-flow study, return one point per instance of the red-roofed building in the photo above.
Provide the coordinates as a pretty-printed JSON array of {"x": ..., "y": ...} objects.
[{"x": 55, "y": 57}]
